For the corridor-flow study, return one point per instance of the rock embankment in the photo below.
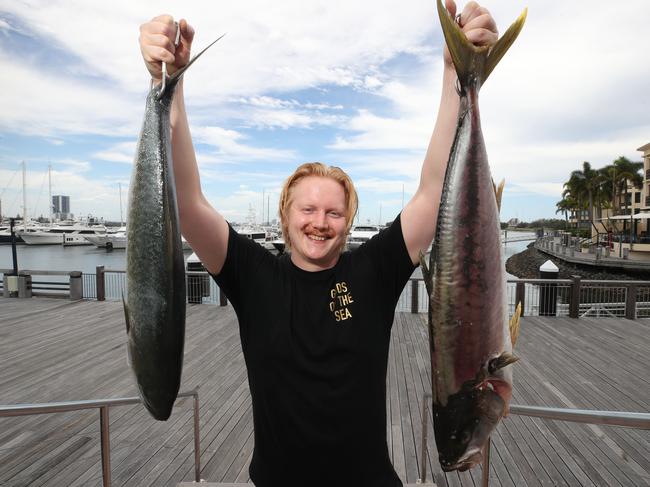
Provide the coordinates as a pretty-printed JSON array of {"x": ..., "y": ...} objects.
[{"x": 526, "y": 264}]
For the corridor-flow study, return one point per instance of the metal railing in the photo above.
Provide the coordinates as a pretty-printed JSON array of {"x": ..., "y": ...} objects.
[
  {"x": 539, "y": 297},
  {"x": 610, "y": 418},
  {"x": 104, "y": 405},
  {"x": 556, "y": 297}
]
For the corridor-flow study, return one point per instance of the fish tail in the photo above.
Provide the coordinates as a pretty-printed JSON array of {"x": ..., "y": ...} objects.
[
  {"x": 475, "y": 63},
  {"x": 173, "y": 80}
]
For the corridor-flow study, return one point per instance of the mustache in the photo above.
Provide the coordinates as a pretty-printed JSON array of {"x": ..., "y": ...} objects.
[{"x": 310, "y": 229}]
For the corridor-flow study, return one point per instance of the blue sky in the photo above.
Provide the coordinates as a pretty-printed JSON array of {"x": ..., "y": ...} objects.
[{"x": 354, "y": 84}]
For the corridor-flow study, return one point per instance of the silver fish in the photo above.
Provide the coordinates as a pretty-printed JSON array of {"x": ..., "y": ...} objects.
[
  {"x": 468, "y": 326},
  {"x": 155, "y": 304}
]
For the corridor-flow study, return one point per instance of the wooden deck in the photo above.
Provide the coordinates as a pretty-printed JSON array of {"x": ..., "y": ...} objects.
[{"x": 57, "y": 350}]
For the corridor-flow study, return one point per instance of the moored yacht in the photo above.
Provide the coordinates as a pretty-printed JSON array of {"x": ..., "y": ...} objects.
[
  {"x": 62, "y": 233},
  {"x": 360, "y": 234}
]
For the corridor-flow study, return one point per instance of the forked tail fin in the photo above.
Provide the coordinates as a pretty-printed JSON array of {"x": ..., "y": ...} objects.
[
  {"x": 475, "y": 63},
  {"x": 173, "y": 80}
]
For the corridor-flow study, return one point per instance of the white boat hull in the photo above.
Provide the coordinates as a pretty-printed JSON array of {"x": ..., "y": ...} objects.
[{"x": 42, "y": 238}]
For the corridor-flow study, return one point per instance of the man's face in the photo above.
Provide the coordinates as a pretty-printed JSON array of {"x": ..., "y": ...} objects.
[{"x": 317, "y": 223}]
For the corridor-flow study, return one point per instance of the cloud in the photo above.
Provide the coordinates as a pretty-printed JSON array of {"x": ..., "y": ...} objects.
[
  {"x": 123, "y": 152},
  {"x": 353, "y": 82},
  {"x": 226, "y": 142},
  {"x": 37, "y": 103}
]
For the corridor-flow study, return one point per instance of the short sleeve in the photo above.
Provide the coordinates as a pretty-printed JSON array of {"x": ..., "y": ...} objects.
[
  {"x": 391, "y": 261},
  {"x": 244, "y": 258}
]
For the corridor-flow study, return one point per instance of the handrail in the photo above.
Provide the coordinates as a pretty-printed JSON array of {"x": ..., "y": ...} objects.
[
  {"x": 103, "y": 405},
  {"x": 625, "y": 419},
  {"x": 611, "y": 418}
]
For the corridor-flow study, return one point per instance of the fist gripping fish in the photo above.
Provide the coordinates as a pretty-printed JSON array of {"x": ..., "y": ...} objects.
[{"x": 469, "y": 333}]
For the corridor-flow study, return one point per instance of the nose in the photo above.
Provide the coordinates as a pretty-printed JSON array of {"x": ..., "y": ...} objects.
[{"x": 320, "y": 220}]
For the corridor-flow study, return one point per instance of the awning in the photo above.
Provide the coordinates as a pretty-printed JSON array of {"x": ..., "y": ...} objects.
[
  {"x": 644, "y": 215},
  {"x": 619, "y": 217}
]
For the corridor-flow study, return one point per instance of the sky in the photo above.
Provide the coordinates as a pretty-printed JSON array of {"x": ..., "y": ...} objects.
[{"x": 352, "y": 84}]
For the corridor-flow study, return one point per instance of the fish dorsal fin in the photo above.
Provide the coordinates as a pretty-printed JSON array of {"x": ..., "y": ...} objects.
[
  {"x": 498, "y": 192},
  {"x": 475, "y": 63},
  {"x": 514, "y": 325}
]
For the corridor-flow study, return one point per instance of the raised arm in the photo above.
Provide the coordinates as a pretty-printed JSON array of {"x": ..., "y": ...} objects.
[
  {"x": 420, "y": 215},
  {"x": 203, "y": 227}
]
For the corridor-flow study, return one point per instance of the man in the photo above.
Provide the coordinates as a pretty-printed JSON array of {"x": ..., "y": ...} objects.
[{"x": 314, "y": 324}]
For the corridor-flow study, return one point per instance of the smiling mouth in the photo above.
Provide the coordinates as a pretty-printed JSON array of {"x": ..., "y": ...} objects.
[{"x": 318, "y": 238}]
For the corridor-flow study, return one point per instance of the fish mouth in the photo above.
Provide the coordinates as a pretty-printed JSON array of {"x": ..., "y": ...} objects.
[{"x": 470, "y": 459}]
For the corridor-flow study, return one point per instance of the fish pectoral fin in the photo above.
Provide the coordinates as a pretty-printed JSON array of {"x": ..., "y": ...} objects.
[
  {"x": 501, "y": 361},
  {"x": 498, "y": 192},
  {"x": 126, "y": 315},
  {"x": 514, "y": 325},
  {"x": 426, "y": 272}
]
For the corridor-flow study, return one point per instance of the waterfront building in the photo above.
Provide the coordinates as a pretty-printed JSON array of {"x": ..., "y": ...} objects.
[
  {"x": 626, "y": 224},
  {"x": 61, "y": 207}
]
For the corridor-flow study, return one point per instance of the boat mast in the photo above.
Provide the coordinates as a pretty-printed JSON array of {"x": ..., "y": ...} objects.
[
  {"x": 24, "y": 198},
  {"x": 120, "y": 186},
  {"x": 49, "y": 175}
]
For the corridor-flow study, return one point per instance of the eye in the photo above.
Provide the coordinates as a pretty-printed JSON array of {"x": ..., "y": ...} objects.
[
  {"x": 335, "y": 214},
  {"x": 307, "y": 210}
]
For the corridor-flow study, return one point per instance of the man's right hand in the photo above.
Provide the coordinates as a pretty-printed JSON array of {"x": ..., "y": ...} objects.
[{"x": 157, "y": 45}]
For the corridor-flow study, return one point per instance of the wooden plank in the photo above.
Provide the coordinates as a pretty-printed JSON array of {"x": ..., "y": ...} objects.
[{"x": 53, "y": 350}]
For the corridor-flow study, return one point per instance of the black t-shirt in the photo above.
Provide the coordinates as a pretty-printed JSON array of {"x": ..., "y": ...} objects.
[{"x": 316, "y": 349}]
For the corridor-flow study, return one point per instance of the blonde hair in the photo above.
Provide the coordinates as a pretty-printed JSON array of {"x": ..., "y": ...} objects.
[{"x": 324, "y": 171}]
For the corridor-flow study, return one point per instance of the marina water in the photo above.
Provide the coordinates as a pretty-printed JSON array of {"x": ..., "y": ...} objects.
[{"x": 87, "y": 258}]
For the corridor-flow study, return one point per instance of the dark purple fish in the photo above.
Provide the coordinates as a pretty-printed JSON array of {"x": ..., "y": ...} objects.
[{"x": 468, "y": 324}]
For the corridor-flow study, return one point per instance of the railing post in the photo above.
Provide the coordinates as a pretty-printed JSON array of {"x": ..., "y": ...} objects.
[
  {"x": 520, "y": 296},
  {"x": 630, "y": 302},
  {"x": 197, "y": 440},
  {"x": 425, "y": 427},
  {"x": 414, "y": 296},
  {"x": 76, "y": 285},
  {"x": 223, "y": 300},
  {"x": 105, "y": 446},
  {"x": 100, "y": 283},
  {"x": 486, "y": 465},
  {"x": 574, "y": 306}
]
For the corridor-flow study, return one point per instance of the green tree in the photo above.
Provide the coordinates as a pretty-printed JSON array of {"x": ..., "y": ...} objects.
[{"x": 565, "y": 205}]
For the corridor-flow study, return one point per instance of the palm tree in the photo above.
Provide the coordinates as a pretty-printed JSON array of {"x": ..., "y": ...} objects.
[
  {"x": 628, "y": 172},
  {"x": 609, "y": 185},
  {"x": 586, "y": 183},
  {"x": 574, "y": 196},
  {"x": 565, "y": 205}
]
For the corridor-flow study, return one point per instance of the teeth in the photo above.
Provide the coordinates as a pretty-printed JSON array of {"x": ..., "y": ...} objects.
[{"x": 316, "y": 237}]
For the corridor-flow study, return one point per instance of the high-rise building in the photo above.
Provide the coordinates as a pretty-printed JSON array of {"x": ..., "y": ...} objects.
[{"x": 61, "y": 207}]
